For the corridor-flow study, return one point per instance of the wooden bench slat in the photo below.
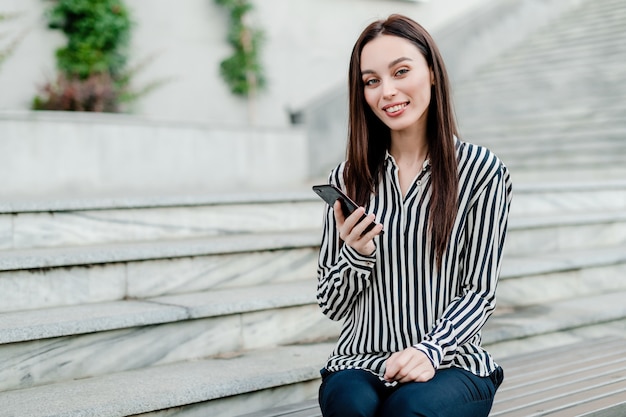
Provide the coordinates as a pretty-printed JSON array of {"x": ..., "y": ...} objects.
[
  {"x": 569, "y": 401},
  {"x": 553, "y": 358},
  {"x": 599, "y": 347},
  {"x": 508, "y": 391},
  {"x": 604, "y": 344},
  {"x": 562, "y": 392},
  {"x": 565, "y": 373},
  {"x": 611, "y": 406}
]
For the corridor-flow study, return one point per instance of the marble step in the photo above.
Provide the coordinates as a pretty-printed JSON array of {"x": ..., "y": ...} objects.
[
  {"x": 218, "y": 387},
  {"x": 557, "y": 316},
  {"x": 50, "y": 345},
  {"x": 570, "y": 120},
  {"x": 49, "y": 277},
  {"x": 570, "y": 139},
  {"x": 582, "y": 173},
  {"x": 567, "y": 196},
  {"x": 256, "y": 380},
  {"x": 558, "y": 233},
  {"x": 545, "y": 277},
  {"x": 72, "y": 222},
  {"x": 53, "y": 344}
]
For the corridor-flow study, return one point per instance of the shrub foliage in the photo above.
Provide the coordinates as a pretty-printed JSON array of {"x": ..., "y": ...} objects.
[{"x": 92, "y": 74}]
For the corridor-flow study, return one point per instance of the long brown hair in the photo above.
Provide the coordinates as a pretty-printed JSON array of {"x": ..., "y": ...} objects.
[{"x": 369, "y": 137}]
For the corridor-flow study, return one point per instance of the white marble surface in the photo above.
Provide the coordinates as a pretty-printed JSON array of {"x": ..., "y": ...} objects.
[
  {"x": 31, "y": 230},
  {"x": 554, "y": 317},
  {"x": 549, "y": 287},
  {"x": 65, "y": 358},
  {"x": 170, "y": 385},
  {"x": 82, "y": 341},
  {"x": 183, "y": 275},
  {"x": 51, "y": 287},
  {"x": 43, "y": 288},
  {"x": 529, "y": 238},
  {"x": 589, "y": 334},
  {"x": 246, "y": 403},
  {"x": 304, "y": 324},
  {"x": 6, "y": 231},
  {"x": 563, "y": 200}
]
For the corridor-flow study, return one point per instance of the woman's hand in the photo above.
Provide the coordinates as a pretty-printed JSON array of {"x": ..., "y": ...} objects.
[
  {"x": 351, "y": 230},
  {"x": 409, "y": 365}
]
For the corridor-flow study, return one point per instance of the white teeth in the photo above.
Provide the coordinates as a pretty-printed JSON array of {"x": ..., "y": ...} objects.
[{"x": 395, "y": 108}]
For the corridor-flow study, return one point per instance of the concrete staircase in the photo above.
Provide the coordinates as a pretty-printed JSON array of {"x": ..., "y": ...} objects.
[
  {"x": 205, "y": 305},
  {"x": 553, "y": 107}
]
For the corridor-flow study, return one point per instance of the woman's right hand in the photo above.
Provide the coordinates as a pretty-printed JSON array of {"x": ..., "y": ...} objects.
[{"x": 351, "y": 230}]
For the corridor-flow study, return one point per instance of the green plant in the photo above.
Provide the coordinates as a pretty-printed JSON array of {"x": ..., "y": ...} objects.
[
  {"x": 92, "y": 65},
  {"x": 98, "y": 33},
  {"x": 242, "y": 71}
]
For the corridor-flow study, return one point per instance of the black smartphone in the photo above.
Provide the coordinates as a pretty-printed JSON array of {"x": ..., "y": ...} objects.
[{"x": 330, "y": 193}]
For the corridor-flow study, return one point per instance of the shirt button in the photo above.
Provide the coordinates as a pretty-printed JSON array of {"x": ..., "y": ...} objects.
[{"x": 419, "y": 183}]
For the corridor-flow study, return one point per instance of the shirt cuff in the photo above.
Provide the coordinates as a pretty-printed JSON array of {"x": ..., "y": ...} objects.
[{"x": 432, "y": 352}]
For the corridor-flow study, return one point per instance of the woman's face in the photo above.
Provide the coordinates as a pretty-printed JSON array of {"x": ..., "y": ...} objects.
[{"x": 397, "y": 81}]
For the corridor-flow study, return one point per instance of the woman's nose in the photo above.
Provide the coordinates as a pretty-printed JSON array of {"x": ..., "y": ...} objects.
[{"x": 389, "y": 90}]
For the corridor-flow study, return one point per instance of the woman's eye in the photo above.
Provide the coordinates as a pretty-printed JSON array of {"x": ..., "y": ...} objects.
[
  {"x": 371, "y": 82},
  {"x": 402, "y": 71}
]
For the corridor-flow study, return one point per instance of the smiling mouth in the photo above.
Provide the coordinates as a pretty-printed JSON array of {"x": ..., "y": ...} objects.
[{"x": 396, "y": 107}]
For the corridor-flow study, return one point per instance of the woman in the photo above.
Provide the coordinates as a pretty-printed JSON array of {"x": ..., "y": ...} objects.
[{"x": 414, "y": 298}]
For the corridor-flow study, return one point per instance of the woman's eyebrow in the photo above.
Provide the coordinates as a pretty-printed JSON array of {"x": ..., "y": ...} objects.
[
  {"x": 398, "y": 60},
  {"x": 391, "y": 64}
]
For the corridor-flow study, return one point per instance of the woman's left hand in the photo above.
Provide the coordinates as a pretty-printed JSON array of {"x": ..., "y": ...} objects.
[{"x": 409, "y": 365}]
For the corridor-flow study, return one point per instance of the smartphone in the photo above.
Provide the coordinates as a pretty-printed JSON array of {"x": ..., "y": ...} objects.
[{"x": 330, "y": 193}]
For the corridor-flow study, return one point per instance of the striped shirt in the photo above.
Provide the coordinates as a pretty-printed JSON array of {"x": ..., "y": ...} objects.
[{"x": 397, "y": 297}]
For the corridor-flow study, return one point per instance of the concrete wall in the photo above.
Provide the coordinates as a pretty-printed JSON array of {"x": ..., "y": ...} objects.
[
  {"x": 305, "y": 54},
  {"x": 52, "y": 155}
]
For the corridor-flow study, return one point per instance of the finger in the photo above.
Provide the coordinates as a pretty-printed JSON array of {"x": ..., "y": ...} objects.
[
  {"x": 349, "y": 224},
  {"x": 339, "y": 217},
  {"x": 373, "y": 232},
  {"x": 363, "y": 223},
  {"x": 393, "y": 365}
]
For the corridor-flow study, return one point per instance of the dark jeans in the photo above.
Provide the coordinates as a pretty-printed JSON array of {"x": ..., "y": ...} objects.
[{"x": 451, "y": 392}]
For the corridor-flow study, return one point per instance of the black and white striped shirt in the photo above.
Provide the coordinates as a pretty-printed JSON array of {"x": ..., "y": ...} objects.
[{"x": 397, "y": 297}]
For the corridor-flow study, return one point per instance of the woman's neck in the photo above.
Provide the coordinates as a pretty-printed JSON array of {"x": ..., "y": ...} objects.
[{"x": 409, "y": 146}]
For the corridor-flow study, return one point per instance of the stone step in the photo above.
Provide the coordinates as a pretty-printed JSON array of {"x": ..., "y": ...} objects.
[
  {"x": 255, "y": 380},
  {"x": 564, "y": 172},
  {"x": 565, "y": 137},
  {"x": 563, "y": 119},
  {"x": 49, "y": 277},
  {"x": 51, "y": 345},
  {"x": 557, "y": 316},
  {"x": 31, "y": 224},
  {"x": 218, "y": 387},
  {"x": 544, "y": 277},
  {"x": 559, "y": 233},
  {"x": 556, "y": 198},
  {"x": 69, "y": 222}
]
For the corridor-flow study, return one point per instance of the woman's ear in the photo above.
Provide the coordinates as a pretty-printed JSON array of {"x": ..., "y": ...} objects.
[{"x": 432, "y": 77}]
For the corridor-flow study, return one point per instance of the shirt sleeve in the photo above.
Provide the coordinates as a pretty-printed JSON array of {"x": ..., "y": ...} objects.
[
  {"x": 342, "y": 272},
  {"x": 465, "y": 316}
]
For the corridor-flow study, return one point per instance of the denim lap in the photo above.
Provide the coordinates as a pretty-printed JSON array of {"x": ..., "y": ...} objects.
[{"x": 451, "y": 393}]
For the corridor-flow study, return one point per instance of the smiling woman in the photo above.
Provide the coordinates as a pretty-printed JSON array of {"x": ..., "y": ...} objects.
[{"x": 415, "y": 299}]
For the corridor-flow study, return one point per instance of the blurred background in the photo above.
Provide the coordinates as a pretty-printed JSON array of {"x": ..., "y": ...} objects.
[{"x": 158, "y": 233}]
